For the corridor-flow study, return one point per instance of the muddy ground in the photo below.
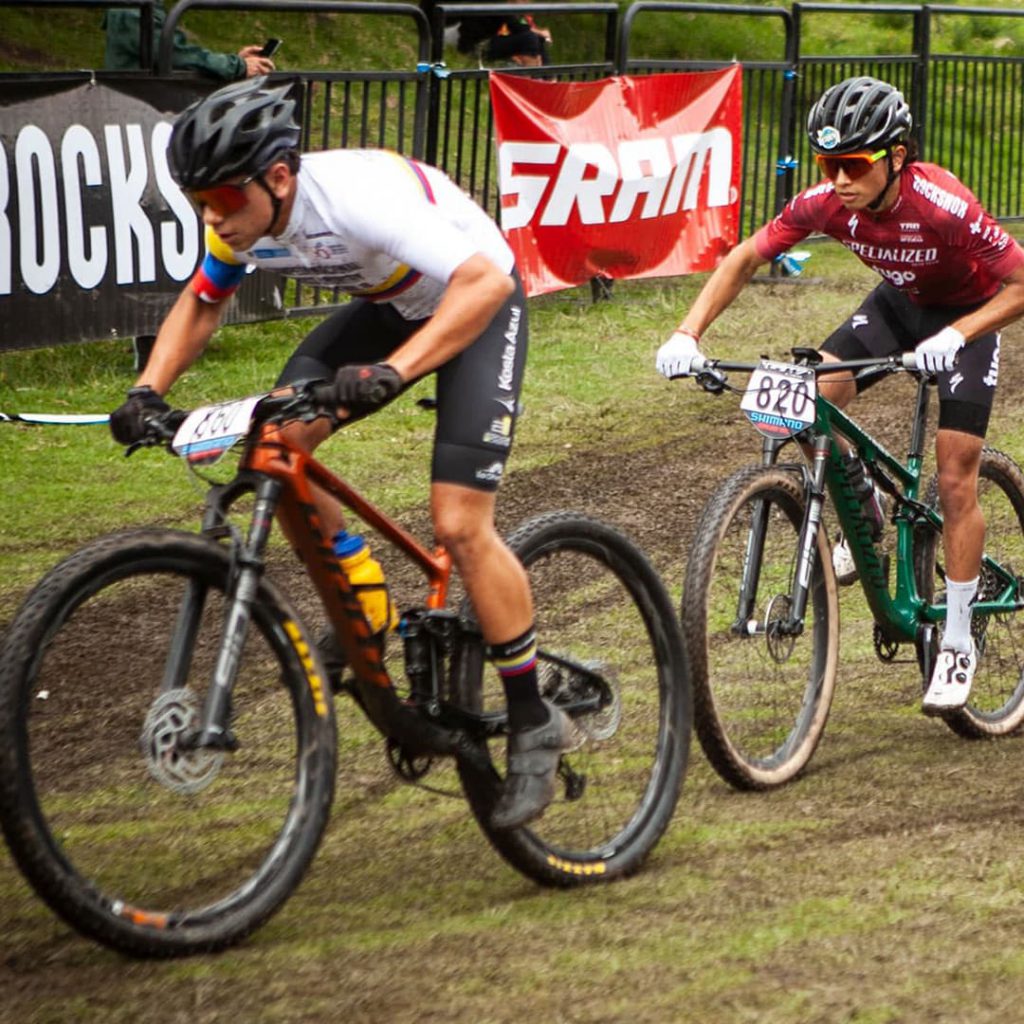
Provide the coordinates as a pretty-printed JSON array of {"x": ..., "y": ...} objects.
[{"x": 322, "y": 960}]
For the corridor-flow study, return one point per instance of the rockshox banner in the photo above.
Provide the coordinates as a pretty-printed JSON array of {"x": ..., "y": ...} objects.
[
  {"x": 96, "y": 240},
  {"x": 624, "y": 177}
]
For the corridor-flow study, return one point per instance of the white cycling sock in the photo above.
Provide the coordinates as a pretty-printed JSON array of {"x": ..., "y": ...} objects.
[{"x": 959, "y": 596}]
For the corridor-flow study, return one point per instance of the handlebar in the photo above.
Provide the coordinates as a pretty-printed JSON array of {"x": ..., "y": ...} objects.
[
  {"x": 712, "y": 374},
  {"x": 307, "y": 400}
]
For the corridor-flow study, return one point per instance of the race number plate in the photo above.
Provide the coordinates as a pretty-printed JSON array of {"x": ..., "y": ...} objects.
[
  {"x": 779, "y": 400},
  {"x": 210, "y": 431}
]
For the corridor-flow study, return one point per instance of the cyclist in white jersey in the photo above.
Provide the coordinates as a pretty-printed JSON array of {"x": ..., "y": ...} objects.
[
  {"x": 951, "y": 279},
  {"x": 435, "y": 290}
]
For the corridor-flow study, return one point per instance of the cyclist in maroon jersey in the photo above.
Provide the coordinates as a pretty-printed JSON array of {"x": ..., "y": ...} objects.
[{"x": 951, "y": 279}]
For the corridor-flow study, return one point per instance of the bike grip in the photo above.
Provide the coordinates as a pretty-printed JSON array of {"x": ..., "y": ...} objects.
[
  {"x": 698, "y": 364},
  {"x": 909, "y": 360},
  {"x": 322, "y": 394},
  {"x": 165, "y": 425}
]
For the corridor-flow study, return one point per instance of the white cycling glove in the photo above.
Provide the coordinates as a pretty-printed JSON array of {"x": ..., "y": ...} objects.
[
  {"x": 679, "y": 356},
  {"x": 938, "y": 353}
]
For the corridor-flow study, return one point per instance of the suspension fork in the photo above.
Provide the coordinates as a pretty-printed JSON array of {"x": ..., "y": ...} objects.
[
  {"x": 815, "y": 489},
  {"x": 242, "y": 589},
  {"x": 753, "y": 556},
  {"x": 190, "y": 611}
]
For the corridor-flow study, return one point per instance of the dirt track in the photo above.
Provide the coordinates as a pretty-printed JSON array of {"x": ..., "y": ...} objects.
[{"x": 655, "y": 495}]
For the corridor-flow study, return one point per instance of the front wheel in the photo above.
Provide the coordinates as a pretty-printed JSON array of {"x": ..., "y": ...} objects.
[
  {"x": 136, "y": 839},
  {"x": 996, "y": 704},
  {"x": 763, "y": 684},
  {"x": 608, "y": 637}
]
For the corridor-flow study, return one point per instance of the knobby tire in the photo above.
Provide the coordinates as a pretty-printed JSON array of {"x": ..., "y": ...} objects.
[{"x": 119, "y": 855}]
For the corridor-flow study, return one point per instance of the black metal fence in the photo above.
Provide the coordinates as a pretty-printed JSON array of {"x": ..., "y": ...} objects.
[{"x": 969, "y": 110}]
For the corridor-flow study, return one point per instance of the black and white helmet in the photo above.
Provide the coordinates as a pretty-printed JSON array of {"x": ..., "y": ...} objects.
[
  {"x": 240, "y": 129},
  {"x": 857, "y": 114}
]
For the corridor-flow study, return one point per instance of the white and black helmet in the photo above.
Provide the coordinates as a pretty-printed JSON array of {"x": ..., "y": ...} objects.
[
  {"x": 240, "y": 129},
  {"x": 857, "y": 114}
]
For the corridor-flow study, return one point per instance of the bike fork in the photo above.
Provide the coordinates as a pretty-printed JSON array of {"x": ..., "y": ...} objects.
[
  {"x": 214, "y": 730},
  {"x": 752, "y": 557},
  {"x": 815, "y": 490}
]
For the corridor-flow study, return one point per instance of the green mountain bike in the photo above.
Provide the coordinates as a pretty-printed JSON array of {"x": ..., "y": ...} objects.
[{"x": 760, "y": 605}]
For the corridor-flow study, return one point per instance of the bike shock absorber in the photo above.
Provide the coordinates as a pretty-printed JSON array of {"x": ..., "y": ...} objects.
[{"x": 418, "y": 645}]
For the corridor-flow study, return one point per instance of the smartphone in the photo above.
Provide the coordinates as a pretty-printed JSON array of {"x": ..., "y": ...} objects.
[{"x": 270, "y": 48}]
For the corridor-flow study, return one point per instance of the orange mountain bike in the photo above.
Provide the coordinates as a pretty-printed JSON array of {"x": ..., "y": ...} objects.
[{"x": 167, "y": 731}]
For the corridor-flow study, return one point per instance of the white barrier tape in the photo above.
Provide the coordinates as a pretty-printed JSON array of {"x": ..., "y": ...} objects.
[{"x": 57, "y": 418}]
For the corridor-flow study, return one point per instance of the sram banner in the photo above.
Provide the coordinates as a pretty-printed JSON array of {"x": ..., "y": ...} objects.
[{"x": 625, "y": 177}]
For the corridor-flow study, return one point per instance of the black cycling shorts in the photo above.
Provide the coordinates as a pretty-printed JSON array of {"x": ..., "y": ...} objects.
[
  {"x": 887, "y": 322},
  {"x": 477, "y": 390}
]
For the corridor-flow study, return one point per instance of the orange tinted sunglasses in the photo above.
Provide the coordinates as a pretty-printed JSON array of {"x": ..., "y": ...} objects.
[
  {"x": 222, "y": 199},
  {"x": 856, "y": 165}
]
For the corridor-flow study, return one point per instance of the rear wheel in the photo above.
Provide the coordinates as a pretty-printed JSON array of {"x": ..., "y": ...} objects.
[
  {"x": 136, "y": 840},
  {"x": 996, "y": 703},
  {"x": 607, "y": 635},
  {"x": 762, "y": 692}
]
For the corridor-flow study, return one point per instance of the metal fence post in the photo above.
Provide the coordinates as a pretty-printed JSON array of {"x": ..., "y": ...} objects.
[{"x": 923, "y": 49}]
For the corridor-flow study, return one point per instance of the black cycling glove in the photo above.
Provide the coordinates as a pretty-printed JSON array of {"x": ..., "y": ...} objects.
[
  {"x": 362, "y": 389},
  {"x": 128, "y": 420}
]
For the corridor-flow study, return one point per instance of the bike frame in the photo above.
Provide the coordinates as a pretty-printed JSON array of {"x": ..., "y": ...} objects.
[
  {"x": 282, "y": 478},
  {"x": 900, "y": 612}
]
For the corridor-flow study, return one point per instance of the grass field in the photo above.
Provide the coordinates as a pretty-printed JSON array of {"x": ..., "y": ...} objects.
[{"x": 883, "y": 886}]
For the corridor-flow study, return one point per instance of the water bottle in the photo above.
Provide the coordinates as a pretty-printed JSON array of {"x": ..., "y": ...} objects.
[
  {"x": 365, "y": 574},
  {"x": 864, "y": 488}
]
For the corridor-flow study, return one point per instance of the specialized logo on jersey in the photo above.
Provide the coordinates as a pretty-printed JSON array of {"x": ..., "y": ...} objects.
[
  {"x": 858, "y": 320},
  {"x": 853, "y": 224},
  {"x": 893, "y": 254}
]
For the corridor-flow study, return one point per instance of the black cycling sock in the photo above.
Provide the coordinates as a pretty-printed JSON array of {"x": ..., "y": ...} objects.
[{"x": 516, "y": 662}]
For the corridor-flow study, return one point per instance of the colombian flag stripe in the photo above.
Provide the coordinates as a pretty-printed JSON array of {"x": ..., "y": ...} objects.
[
  {"x": 220, "y": 274},
  {"x": 404, "y": 276}
]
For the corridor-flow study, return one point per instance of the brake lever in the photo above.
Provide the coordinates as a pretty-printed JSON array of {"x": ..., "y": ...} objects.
[{"x": 712, "y": 381}]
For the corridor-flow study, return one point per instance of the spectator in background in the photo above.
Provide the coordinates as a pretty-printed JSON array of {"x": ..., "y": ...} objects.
[
  {"x": 122, "y": 26},
  {"x": 517, "y": 39}
]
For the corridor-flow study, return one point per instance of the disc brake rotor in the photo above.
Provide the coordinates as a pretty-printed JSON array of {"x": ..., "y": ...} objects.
[
  {"x": 780, "y": 644},
  {"x": 171, "y": 717}
]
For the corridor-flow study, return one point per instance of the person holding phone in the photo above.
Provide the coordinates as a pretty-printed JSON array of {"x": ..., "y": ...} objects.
[{"x": 122, "y": 26}]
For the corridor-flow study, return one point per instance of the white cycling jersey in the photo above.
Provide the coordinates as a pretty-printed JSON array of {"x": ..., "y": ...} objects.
[{"x": 371, "y": 223}]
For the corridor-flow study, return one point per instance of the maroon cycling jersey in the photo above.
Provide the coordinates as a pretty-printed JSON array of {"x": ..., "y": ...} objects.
[{"x": 935, "y": 243}]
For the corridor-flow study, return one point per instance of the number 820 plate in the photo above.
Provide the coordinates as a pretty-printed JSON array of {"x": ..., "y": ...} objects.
[{"x": 780, "y": 399}]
